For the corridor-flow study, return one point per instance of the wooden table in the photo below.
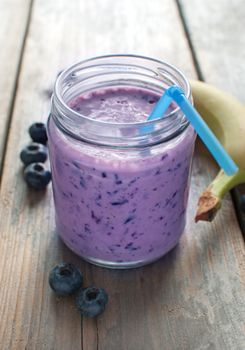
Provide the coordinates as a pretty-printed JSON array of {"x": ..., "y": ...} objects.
[{"x": 194, "y": 298}]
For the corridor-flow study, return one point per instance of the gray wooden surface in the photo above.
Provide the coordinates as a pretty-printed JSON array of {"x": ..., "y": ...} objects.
[
  {"x": 191, "y": 299},
  {"x": 14, "y": 19},
  {"x": 216, "y": 35}
]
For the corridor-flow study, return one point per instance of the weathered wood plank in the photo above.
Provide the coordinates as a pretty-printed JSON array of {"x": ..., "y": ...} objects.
[
  {"x": 222, "y": 21},
  {"x": 228, "y": 17},
  {"x": 216, "y": 33},
  {"x": 191, "y": 299},
  {"x": 14, "y": 21}
]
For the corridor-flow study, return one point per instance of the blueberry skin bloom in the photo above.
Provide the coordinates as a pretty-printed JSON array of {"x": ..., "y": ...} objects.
[
  {"x": 38, "y": 133},
  {"x": 91, "y": 301},
  {"x": 34, "y": 153},
  {"x": 37, "y": 176},
  {"x": 65, "y": 279}
]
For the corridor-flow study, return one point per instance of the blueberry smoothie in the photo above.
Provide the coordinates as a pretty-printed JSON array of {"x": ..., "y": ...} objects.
[{"x": 113, "y": 208}]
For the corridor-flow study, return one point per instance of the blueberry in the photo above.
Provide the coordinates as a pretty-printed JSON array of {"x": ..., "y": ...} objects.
[
  {"x": 37, "y": 176},
  {"x": 38, "y": 133},
  {"x": 65, "y": 279},
  {"x": 91, "y": 301},
  {"x": 34, "y": 153}
]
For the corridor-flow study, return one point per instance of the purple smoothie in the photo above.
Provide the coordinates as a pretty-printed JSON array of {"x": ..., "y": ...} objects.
[{"x": 117, "y": 209}]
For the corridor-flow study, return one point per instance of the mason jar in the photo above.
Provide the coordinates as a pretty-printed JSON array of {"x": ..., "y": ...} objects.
[{"x": 120, "y": 182}]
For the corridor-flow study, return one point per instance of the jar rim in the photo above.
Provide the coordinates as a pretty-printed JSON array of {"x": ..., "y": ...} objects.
[{"x": 57, "y": 96}]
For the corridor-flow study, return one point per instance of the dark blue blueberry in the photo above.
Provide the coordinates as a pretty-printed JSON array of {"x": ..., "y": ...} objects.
[
  {"x": 91, "y": 301},
  {"x": 74, "y": 185},
  {"x": 87, "y": 229},
  {"x": 37, "y": 176},
  {"x": 129, "y": 218},
  {"x": 65, "y": 279},
  {"x": 34, "y": 153},
  {"x": 174, "y": 194},
  {"x": 82, "y": 182},
  {"x": 132, "y": 181},
  {"x": 38, "y": 133},
  {"x": 152, "y": 101},
  {"x": 111, "y": 193},
  {"x": 164, "y": 156},
  {"x": 76, "y": 165},
  {"x": 97, "y": 200},
  {"x": 129, "y": 245},
  {"x": 123, "y": 201},
  {"x": 103, "y": 174},
  {"x": 95, "y": 218},
  {"x": 117, "y": 181}
]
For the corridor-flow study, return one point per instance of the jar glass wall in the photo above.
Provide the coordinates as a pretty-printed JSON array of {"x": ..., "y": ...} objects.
[{"x": 120, "y": 188}]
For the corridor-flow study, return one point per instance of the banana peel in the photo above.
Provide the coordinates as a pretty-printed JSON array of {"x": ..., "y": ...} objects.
[{"x": 225, "y": 116}]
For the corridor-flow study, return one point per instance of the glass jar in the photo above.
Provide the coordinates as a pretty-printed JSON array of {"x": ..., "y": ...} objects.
[{"x": 120, "y": 189}]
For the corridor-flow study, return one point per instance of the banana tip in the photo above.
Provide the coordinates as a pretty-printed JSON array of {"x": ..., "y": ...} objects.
[{"x": 208, "y": 205}]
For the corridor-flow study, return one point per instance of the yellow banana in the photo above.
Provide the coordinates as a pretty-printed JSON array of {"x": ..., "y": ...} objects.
[{"x": 225, "y": 115}]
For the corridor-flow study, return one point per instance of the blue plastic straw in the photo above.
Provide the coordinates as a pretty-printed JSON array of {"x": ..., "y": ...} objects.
[{"x": 219, "y": 153}]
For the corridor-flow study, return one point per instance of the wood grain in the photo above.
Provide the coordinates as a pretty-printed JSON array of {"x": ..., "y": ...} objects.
[
  {"x": 192, "y": 298},
  {"x": 14, "y": 22},
  {"x": 215, "y": 32}
]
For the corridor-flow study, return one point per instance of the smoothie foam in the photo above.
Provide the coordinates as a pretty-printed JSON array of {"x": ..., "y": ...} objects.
[{"x": 114, "y": 208}]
